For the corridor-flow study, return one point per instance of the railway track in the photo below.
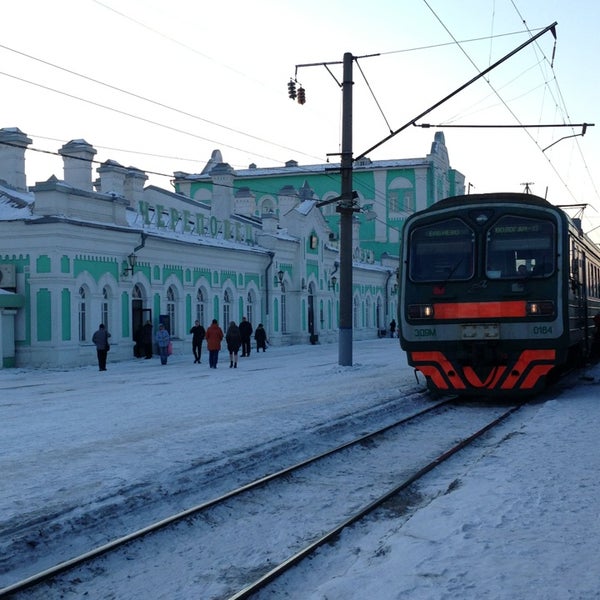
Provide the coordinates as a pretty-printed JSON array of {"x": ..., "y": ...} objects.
[{"x": 215, "y": 548}]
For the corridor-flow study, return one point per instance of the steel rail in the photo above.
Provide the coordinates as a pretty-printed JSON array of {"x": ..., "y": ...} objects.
[
  {"x": 79, "y": 560},
  {"x": 286, "y": 565}
]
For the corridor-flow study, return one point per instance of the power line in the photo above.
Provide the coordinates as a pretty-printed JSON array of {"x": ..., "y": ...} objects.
[
  {"x": 442, "y": 45},
  {"x": 551, "y": 63},
  {"x": 137, "y": 117},
  {"x": 144, "y": 99}
]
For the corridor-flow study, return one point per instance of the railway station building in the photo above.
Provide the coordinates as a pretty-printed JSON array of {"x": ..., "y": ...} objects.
[{"x": 99, "y": 245}]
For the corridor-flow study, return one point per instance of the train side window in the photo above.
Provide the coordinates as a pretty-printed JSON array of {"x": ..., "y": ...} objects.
[
  {"x": 518, "y": 247},
  {"x": 442, "y": 251}
]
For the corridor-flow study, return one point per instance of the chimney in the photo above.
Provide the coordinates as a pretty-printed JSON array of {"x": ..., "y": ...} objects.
[
  {"x": 134, "y": 186},
  {"x": 269, "y": 222},
  {"x": 112, "y": 177},
  {"x": 245, "y": 202},
  {"x": 287, "y": 198},
  {"x": 77, "y": 159},
  {"x": 222, "y": 197},
  {"x": 13, "y": 143}
]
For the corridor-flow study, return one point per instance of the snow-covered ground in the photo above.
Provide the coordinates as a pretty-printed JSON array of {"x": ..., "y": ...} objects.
[{"x": 523, "y": 521}]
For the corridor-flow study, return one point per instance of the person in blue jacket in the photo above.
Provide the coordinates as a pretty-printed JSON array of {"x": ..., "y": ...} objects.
[{"x": 162, "y": 340}]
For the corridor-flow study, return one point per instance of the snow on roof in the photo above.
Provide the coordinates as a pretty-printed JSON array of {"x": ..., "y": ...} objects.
[
  {"x": 305, "y": 207},
  {"x": 254, "y": 171},
  {"x": 14, "y": 204}
]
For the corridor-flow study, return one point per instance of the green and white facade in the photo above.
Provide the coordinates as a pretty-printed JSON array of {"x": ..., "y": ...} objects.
[{"x": 225, "y": 244}]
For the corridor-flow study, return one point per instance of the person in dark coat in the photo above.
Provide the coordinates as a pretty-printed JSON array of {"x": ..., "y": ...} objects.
[
  {"x": 233, "y": 338},
  {"x": 139, "y": 344},
  {"x": 198, "y": 334},
  {"x": 246, "y": 333},
  {"x": 260, "y": 335},
  {"x": 147, "y": 339},
  {"x": 214, "y": 337},
  {"x": 100, "y": 338},
  {"x": 392, "y": 327}
]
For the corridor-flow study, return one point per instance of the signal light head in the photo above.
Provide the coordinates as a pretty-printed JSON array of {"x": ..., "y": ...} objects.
[
  {"x": 292, "y": 89},
  {"x": 301, "y": 95}
]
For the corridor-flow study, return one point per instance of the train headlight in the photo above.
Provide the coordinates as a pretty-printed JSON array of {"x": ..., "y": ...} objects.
[
  {"x": 542, "y": 308},
  {"x": 420, "y": 311}
]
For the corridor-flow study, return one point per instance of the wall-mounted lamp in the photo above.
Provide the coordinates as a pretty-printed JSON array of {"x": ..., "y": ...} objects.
[
  {"x": 332, "y": 278},
  {"x": 132, "y": 261},
  {"x": 280, "y": 275}
]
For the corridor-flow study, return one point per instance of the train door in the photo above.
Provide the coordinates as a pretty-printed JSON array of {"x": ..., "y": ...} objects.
[
  {"x": 577, "y": 299},
  {"x": 584, "y": 295}
]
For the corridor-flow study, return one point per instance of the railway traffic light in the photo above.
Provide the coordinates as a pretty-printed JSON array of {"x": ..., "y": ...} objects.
[
  {"x": 301, "y": 95},
  {"x": 292, "y": 89}
]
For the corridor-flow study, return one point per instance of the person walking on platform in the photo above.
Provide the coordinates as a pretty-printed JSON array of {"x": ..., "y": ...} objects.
[
  {"x": 260, "y": 335},
  {"x": 246, "y": 333},
  {"x": 214, "y": 337},
  {"x": 198, "y": 334},
  {"x": 162, "y": 340},
  {"x": 100, "y": 338},
  {"x": 234, "y": 341}
]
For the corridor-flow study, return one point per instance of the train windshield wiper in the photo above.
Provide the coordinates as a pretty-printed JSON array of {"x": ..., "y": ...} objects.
[{"x": 453, "y": 270}]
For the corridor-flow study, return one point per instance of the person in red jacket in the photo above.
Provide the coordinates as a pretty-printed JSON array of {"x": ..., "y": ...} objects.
[{"x": 214, "y": 337}]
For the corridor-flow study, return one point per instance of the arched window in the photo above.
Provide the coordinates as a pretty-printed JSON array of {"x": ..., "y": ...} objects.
[
  {"x": 105, "y": 307},
  {"x": 200, "y": 307},
  {"x": 226, "y": 308},
  {"x": 267, "y": 206},
  {"x": 356, "y": 312},
  {"x": 250, "y": 307},
  {"x": 283, "y": 311},
  {"x": 82, "y": 314},
  {"x": 401, "y": 198},
  {"x": 368, "y": 312},
  {"x": 171, "y": 305}
]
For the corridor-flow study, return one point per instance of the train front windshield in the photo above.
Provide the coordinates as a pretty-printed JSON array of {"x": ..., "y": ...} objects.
[
  {"x": 511, "y": 247},
  {"x": 443, "y": 251},
  {"x": 520, "y": 247}
]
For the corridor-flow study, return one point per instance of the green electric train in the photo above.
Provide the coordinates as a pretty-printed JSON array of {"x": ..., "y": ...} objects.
[{"x": 499, "y": 292}]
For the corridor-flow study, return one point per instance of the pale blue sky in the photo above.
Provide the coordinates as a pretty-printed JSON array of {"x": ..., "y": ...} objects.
[{"x": 225, "y": 66}]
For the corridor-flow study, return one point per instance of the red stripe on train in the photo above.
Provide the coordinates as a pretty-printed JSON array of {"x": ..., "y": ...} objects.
[{"x": 480, "y": 310}]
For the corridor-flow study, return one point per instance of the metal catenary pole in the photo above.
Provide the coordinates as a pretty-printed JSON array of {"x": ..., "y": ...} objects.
[{"x": 346, "y": 209}]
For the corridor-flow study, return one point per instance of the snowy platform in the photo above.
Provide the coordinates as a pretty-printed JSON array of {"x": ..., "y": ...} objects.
[{"x": 523, "y": 522}]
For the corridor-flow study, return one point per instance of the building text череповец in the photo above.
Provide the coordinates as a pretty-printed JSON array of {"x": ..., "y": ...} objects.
[{"x": 186, "y": 221}]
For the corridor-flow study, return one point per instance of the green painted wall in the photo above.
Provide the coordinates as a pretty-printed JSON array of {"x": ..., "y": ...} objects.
[
  {"x": 66, "y": 314},
  {"x": 216, "y": 308},
  {"x": 96, "y": 267},
  {"x": 43, "y": 306},
  {"x": 65, "y": 264}
]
